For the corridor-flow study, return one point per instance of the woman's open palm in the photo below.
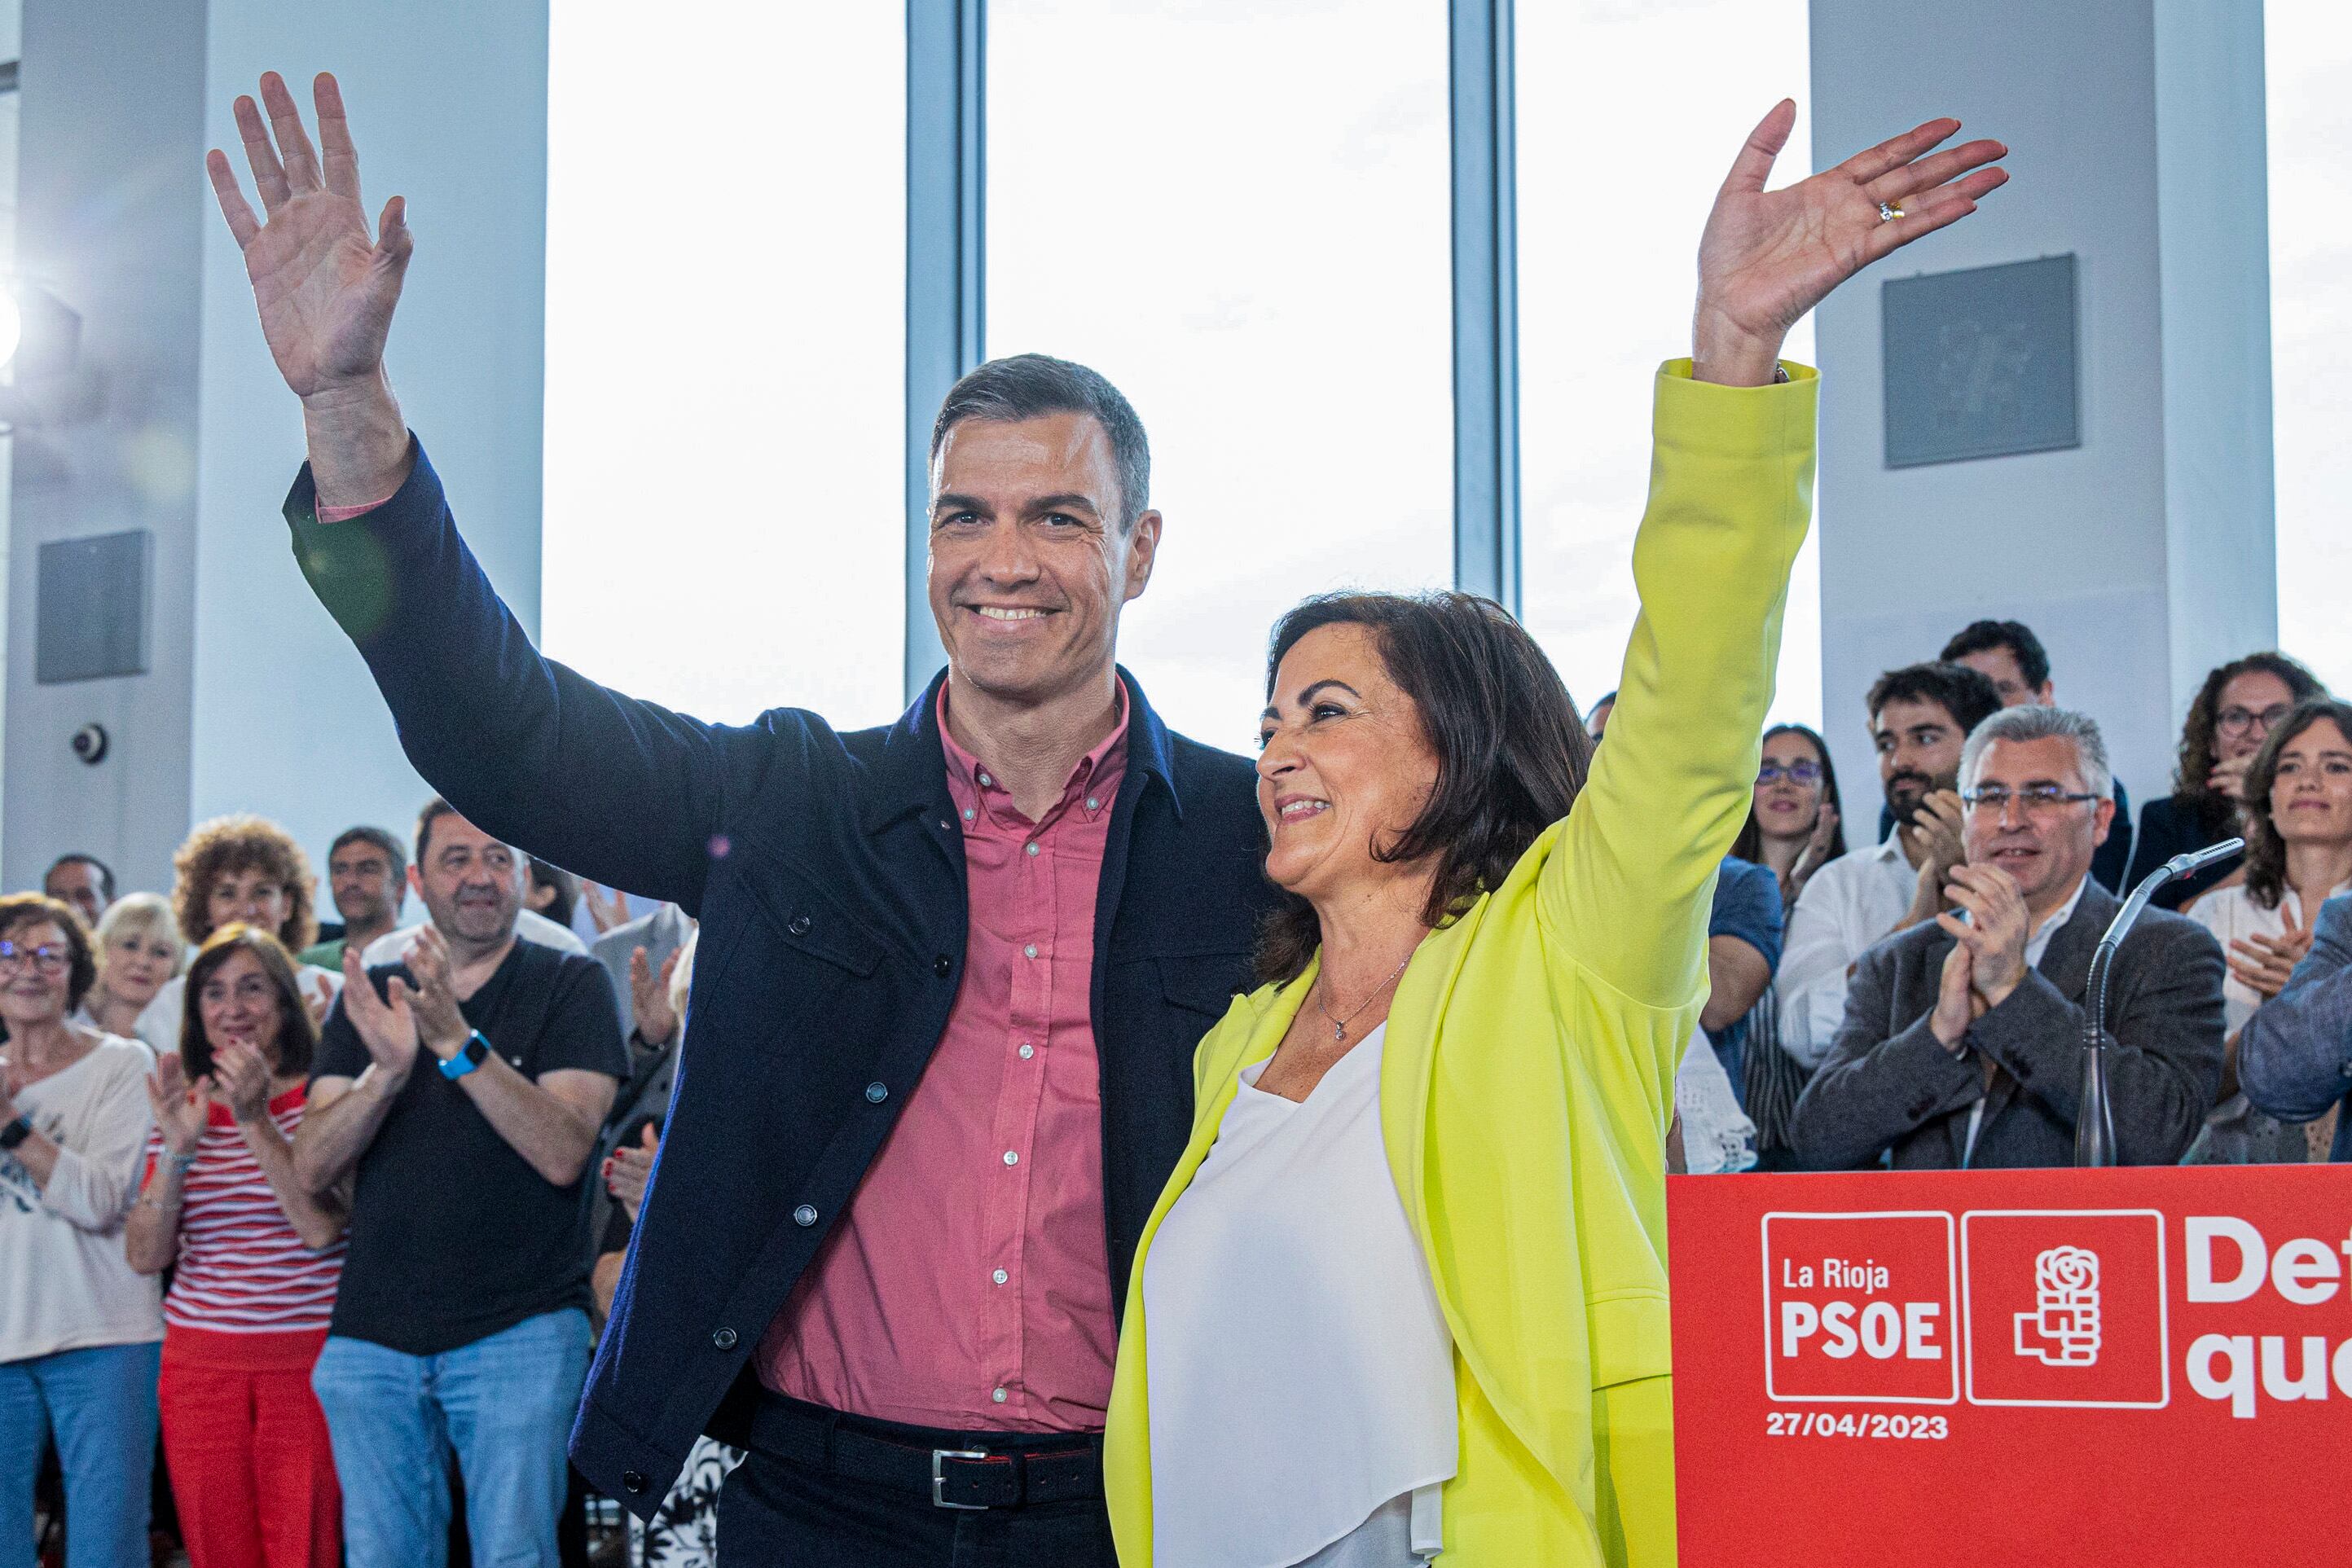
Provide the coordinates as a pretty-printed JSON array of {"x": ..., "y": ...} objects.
[{"x": 326, "y": 290}]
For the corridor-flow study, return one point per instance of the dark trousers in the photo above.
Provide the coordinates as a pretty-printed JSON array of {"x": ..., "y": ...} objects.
[{"x": 786, "y": 1506}]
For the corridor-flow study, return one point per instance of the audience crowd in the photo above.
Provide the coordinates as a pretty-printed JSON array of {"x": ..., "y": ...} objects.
[{"x": 334, "y": 1217}]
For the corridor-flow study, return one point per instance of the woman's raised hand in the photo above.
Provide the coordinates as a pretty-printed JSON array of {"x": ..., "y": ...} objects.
[
  {"x": 179, "y": 1105},
  {"x": 1769, "y": 257},
  {"x": 326, "y": 289}
]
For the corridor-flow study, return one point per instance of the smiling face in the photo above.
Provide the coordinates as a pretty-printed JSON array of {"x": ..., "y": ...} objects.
[
  {"x": 239, "y": 1002},
  {"x": 1919, "y": 751},
  {"x": 36, "y": 979},
  {"x": 2047, "y": 848},
  {"x": 1344, "y": 766},
  {"x": 252, "y": 896},
  {"x": 472, "y": 883},
  {"x": 2311, "y": 795},
  {"x": 1029, "y": 563},
  {"x": 1787, "y": 807},
  {"x": 134, "y": 965},
  {"x": 2249, "y": 708}
]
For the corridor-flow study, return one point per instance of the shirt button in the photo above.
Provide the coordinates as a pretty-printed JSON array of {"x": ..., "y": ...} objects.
[
  {"x": 1000, "y": 1276},
  {"x": 631, "y": 1482},
  {"x": 724, "y": 1339},
  {"x": 942, "y": 966},
  {"x": 876, "y": 1092},
  {"x": 805, "y": 1215},
  {"x": 1027, "y": 1051},
  {"x": 969, "y": 814},
  {"x": 997, "y": 1395},
  {"x": 1032, "y": 846},
  {"x": 984, "y": 779},
  {"x": 1093, "y": 804},
  {"x": 1012, "y": 1158},
  {"x": 799, "y": 926},
  {"x": 1029, "y": 951}
]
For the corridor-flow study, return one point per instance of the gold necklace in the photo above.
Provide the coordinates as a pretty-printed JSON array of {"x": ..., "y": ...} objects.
[{"x": 1339, "y": 1024}]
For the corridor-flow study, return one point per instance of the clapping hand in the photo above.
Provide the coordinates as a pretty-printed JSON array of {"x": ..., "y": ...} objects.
[
  {"x": 386, "y": 1024},
  {"x": 1933, "y": 835},
  {"x": 179, "y": 1105},
  {"x": 1813, "y": 856},
  {"x": 440, "y": 1021},
  {"x": 1769, "y": 257},
  {"x": 2263, "y": 963},
  {"x": 241, "y": 1075},
  {"x": 656, "y": 1021},
  {"x": 628, "y": 1170},
  {"x": 607, "y": 907},
  {"x": 1957, "y": 1003},
  {"x": 1995, "y": 932}
]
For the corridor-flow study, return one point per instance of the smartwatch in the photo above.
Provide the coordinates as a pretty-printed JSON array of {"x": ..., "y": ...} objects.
[
  {"x": 14, "y": 1133},
  {"x": 469, "y": 1056}
]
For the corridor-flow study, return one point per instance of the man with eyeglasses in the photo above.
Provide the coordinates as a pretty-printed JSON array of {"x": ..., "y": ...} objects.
[
  {"x": 1962, "y": 1040},
  {"x": 1919, "y": 715}
]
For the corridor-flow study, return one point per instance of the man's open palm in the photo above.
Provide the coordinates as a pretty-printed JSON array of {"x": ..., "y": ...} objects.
[{"x": 325, "y": 289}]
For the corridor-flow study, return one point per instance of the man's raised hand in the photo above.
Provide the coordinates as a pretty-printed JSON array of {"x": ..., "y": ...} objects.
[
  {"x": 325, "y": 287},
  {"x": 1769, "y": 257}
]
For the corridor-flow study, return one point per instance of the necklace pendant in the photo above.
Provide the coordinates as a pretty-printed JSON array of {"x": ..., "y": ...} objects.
[{"x": 1340, "y": 1033}]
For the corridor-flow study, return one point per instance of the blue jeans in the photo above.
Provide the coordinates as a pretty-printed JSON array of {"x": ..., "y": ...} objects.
[
  {"x": 504, "y": 1404},
  {"x": 101, "y": 1402}
]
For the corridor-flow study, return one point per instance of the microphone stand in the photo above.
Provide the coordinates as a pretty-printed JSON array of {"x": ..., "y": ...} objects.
[{"x": 2095, "y": 1127}]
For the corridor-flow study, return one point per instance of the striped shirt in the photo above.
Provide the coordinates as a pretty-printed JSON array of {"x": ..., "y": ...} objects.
[{"x": 242, "y": 1268}]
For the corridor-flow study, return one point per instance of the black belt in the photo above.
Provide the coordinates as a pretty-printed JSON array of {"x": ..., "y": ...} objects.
[{"x": 989, "y": 1469}]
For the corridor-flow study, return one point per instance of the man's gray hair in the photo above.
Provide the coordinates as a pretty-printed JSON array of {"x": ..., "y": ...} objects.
[{"x": 2028, "y": 722}]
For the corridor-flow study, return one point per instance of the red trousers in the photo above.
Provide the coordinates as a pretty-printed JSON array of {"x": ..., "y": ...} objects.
[{"x": 244, "y": 1438}]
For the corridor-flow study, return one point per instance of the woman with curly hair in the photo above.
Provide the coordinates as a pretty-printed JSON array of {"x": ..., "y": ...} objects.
[
  {"x": 2235, "y": 711},
  {"x": 2298, "y": 825},
  {"x": 240, "y": 870}
]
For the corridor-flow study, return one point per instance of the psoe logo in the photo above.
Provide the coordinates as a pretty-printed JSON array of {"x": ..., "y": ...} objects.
[{"x": 2063, "y": 1329}]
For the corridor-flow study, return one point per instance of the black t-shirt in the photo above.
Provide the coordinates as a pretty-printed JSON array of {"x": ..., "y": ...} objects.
[{"x": 454, "y": 1237}]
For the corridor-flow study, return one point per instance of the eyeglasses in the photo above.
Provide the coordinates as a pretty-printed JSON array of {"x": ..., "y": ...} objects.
[
  {"x": 1794, "y": 772},
  {"x": 2238, "y": 720},
  {"x": 49, "y": 960},
  {"x": 2036, "y": 799}
]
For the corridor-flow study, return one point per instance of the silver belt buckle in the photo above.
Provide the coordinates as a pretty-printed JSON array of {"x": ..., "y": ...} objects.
[{"x": 939, "y": 1479}]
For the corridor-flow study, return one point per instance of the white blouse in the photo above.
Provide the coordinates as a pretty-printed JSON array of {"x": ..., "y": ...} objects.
[
  {"x": 2232, "y": 915},
  {"x": 1301, "y": 1371}
]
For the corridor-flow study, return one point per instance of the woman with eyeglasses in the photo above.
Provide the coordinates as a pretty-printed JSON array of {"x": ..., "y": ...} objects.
[
  {"x": 79, "y": 1329},
  {"x": 1793, "y": 829},
  {"x": 2235, "y": 711},
  {"x": 2298, "y": 793}
]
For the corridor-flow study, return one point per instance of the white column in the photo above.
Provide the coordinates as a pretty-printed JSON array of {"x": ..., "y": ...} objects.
[
  {"x": 2144, "y": 556},
  {"x": 254, "y": 700}
]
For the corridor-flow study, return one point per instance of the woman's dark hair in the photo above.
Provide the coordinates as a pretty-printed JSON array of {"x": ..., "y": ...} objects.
[
  {"x": 298, "y": 1036},
  {"x": 547, "y": 874},
  {"x": 2216, "y": 813},
  {"x": 1511, "y": 753},
  {"x": 19, "y": 910},
  {"x": 1750, "y": 844},
  {"x": 2266, "y": 850}
]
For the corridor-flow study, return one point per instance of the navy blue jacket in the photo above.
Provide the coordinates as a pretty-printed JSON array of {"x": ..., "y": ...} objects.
[{"x": 828, "y": 872}]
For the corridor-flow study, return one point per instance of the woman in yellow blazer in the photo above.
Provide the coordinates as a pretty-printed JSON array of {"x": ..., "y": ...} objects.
[{"x": 1490, "y": 973}]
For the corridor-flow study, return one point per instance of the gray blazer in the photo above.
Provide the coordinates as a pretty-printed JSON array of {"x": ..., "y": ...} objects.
[
  {"x": 1889, "y": 1088},
  {"x": 2295, "y": 1058}
]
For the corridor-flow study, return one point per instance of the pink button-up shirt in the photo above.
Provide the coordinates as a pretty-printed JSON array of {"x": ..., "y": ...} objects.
[{"x": 969, "y": 1285}]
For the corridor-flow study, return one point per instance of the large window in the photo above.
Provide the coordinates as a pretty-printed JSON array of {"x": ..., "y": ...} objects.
[
  {"x": 1238, "y": 211},
  {"x": 1629, "y": 116},
  {"x": 2309, "y": 50},
  {"x": 726, "y": 244}
]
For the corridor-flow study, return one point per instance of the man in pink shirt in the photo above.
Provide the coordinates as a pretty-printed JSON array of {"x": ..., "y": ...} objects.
[{"x": 950, "y": 975}]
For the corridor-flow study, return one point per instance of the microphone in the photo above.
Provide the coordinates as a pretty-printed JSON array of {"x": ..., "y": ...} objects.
[{"x": 2095, "y": 1127}]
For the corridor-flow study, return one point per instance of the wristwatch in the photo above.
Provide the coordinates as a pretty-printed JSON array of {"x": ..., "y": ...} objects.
[
  {"x": 14, "y": 1133},
  {"x": 469, "y": 1056}
]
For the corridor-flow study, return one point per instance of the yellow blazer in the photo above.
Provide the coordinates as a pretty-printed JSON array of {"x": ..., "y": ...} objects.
[{"x": 1528, "y": 1075}]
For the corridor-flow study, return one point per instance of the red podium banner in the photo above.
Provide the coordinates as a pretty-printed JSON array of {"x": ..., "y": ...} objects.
[{"x": 2146, "y": 1367}]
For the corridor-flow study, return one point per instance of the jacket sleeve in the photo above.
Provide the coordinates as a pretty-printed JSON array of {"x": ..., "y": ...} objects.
[
  {"x": 621, "y": 791},
  {"x": 2295, "y": 1057},
  {"x": 2164, "y": 1067},
  {"x": 1875, "y": 1088},
  {"x": 96, "y": 1177},
  {"x": 1625, "y": 892}
]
